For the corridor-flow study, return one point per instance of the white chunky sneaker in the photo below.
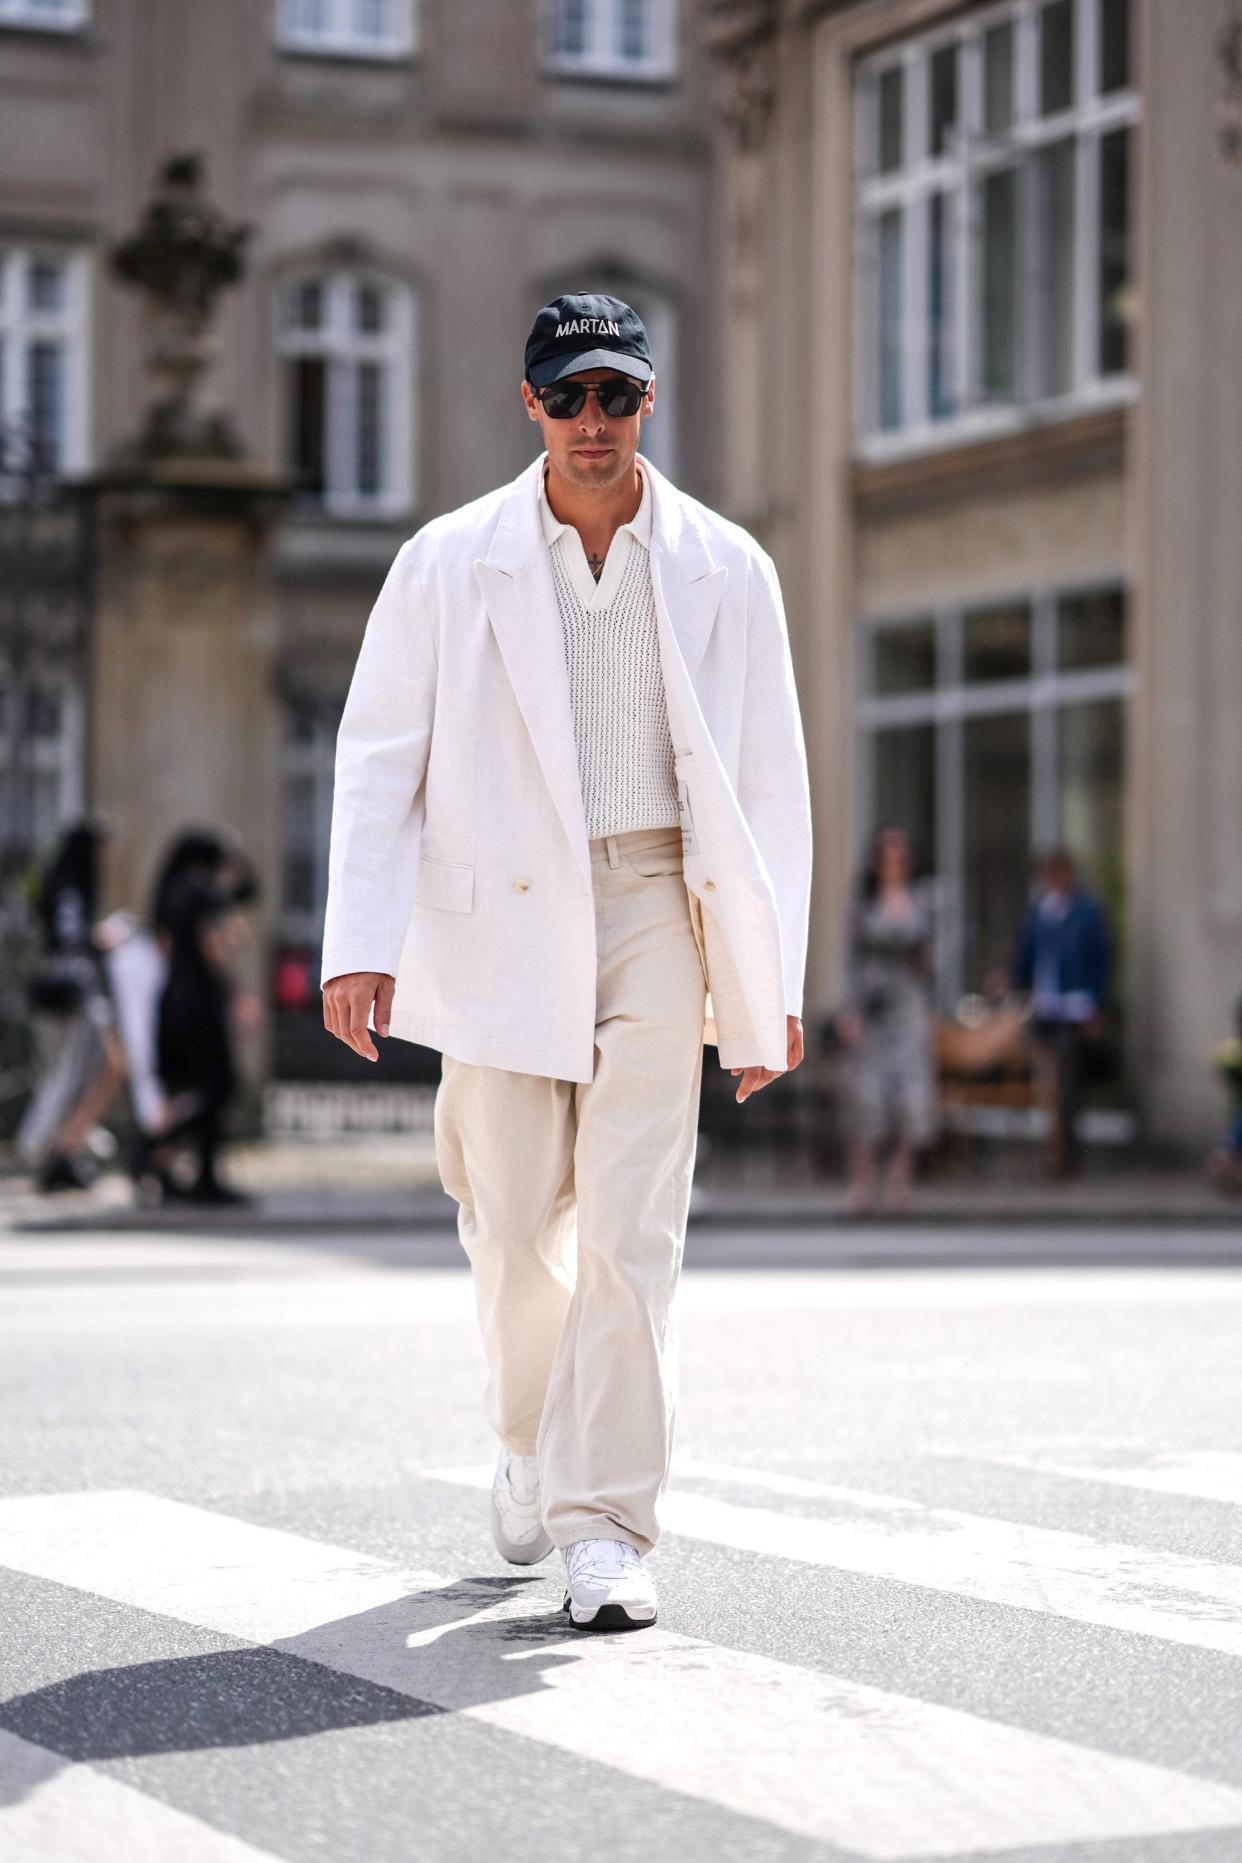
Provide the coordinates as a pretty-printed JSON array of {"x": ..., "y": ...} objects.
[
  {"x": 607, "y": 1588},
  {"x": 517, "y": 1521}
]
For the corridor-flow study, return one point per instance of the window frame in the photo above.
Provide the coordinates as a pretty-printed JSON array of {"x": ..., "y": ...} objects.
[
  {"x": 339, "y": 344},
  {"x": 601, "y": 59},
  {"x": 69, "y": 326},
  {"x": 28, "y": 16},
  {"x": 58, "y": 759},
  {"x": 958, "y": 173},
  {"x": 341, "y": 39},
  {"x": 1040, "y": 698},
  {"x": 310, "y": 760}
]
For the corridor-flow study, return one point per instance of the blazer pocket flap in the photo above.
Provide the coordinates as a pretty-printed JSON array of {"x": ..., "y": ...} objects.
[{"x": 444, "y": 883}]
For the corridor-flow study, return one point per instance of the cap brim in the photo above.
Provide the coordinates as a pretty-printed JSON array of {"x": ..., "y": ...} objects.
[{"x": 552, "y": 371}]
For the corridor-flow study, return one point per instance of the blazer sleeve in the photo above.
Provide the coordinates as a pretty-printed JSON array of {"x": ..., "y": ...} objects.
[
  {"x": 377, "y": 801},
  {"x": 773, "y": 787},
  {"x": 1098, "y": 955}
]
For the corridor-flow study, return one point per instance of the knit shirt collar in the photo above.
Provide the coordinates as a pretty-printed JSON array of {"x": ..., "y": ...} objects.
[{"x": 639, "y": 526}]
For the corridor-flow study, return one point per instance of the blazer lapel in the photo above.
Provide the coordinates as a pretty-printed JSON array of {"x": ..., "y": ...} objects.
[
  {"x": 515, "y": 578},
  {"x": 691, "y": 603},
  {"x": 688, "y": 586}
]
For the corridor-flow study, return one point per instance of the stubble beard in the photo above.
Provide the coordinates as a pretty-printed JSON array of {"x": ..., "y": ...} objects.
[{"x": 601, "y": 477}]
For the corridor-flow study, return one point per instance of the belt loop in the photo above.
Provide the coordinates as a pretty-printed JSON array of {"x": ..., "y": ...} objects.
[{"x": 614, "y": 858}]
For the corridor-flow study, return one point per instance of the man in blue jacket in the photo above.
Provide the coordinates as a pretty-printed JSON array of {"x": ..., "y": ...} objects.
[{"x": 1064, "y": 958}]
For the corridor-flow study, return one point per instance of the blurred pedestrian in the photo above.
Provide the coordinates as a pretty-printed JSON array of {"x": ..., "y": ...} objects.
[
  {"x": 1225, "y": 1163},
  {"x": 204, "y": 880},
  {"x": 136, "y": 966},
  {"x": 886, "y": 1022},
  {"x": 79, "y": 1062},
  {"x": 1064, "y": 959}
]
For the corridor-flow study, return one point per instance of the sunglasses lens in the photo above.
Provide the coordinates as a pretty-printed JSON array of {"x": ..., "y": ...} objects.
[
  {"x": 620, "y": 398},
  {"x": 564, "y": 403},
  {"x": 617, "y": 399}
]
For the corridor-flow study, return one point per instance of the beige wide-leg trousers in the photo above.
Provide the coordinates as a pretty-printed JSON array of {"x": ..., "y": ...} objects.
[{"x": 573, "y": 1204}]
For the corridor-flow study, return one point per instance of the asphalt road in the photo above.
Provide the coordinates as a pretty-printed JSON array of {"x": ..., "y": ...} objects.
[{"x": 951, "y": 1567}]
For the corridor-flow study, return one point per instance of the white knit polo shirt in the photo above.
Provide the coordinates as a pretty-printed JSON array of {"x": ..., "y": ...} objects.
[{"x": 616, "y": 685}]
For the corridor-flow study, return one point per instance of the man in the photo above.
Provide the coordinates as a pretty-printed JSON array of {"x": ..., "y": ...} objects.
[
  {"x": 571, "y": 800},
  {"x": 1064, "y": 959}
]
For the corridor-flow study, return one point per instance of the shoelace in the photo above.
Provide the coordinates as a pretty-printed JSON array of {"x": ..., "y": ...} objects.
[{"x": 600, "y": 1558}]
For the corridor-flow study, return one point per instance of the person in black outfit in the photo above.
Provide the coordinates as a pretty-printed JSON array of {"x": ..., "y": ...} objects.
[{"x": 204, "y": 880}]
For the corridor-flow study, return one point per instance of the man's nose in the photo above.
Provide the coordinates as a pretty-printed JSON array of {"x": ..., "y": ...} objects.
[{"x": 592, "y": 418}]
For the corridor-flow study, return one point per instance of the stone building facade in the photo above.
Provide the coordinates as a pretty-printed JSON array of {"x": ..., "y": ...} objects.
[{"x": 984, "y": 298}]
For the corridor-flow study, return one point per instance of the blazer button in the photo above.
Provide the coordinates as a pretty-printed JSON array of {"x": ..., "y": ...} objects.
[
  {"x": 521, "y": 886},
  {"x": 709, "y": 886}
]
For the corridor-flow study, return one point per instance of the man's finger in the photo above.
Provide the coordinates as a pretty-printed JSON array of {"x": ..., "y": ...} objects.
[
  {"x": 359, "y": 1033},
  {"x": 383, "y": 1004}
]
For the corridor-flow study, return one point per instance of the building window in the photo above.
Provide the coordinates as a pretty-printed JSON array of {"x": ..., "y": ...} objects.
[
  {"x": 43, "y": 325},
  {"x": 994, "y": 166},
  {"x": 45, "y": 15},
  {"x": 346, "y": 341},
  {"x": 991, "y": 732},
  {"x": 347, "y": 28},
  {"x": 613, "y": 38},
  {"x": 307, "y": 761},
  {"x": 41, "y": 758}
]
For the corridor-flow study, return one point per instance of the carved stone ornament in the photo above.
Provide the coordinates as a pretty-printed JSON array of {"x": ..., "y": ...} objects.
[
  {"x": 742, "y": 37},
  {"x": 181, "y": 257}
]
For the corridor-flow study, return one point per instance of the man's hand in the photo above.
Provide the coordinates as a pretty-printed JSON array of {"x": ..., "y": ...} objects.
[
  {"x": 347, "y": 1002},
  {"x": 755, "y": 1077}
]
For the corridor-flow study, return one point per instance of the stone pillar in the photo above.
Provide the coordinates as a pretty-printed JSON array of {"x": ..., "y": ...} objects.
[
  {"x": 1186, "y": 822},
  {"x": 742, "y": 36},
  {"x": 182, "y": 726}
]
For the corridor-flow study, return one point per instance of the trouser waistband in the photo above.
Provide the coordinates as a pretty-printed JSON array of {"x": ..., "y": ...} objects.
[{"x": 610, "y": 847}]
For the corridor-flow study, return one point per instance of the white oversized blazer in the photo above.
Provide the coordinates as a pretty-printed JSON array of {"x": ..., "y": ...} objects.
[{"x": 459, "y": 861}]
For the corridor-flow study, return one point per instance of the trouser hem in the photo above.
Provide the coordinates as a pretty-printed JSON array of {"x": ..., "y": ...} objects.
[
  {"x": 598, "y": 1527},
  {"x": 518, "y": 1445}
]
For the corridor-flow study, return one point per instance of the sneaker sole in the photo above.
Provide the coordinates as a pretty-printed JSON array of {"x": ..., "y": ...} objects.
[
  {"x": 528, "y": 1552},
  {"x": 524, "y": 1555},
  {"x": 607, "y": 1617}
]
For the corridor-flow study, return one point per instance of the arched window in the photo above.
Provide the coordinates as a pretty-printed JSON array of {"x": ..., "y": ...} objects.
[{"x": 346, "y": 341}]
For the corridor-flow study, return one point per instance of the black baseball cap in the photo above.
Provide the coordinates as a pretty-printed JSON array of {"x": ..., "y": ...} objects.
[{"x": 587, "y": 330}]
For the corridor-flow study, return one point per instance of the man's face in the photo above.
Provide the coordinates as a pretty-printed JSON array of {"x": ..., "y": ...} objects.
[
  {"x": 1058, "y": 875},
  {"x": 591, "y": 448}
]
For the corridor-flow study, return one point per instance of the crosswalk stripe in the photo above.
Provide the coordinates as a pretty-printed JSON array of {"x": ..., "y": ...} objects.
[
  {"x": 63, "y": 1813},
  {"x": 1203, "y": 1475},
  {"x": 1064, "y": 1574},
  {"x": 887, "y": 1776}
]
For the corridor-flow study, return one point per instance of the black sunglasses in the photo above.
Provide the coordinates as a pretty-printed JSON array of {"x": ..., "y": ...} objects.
[{"x": 617, "y": 398}]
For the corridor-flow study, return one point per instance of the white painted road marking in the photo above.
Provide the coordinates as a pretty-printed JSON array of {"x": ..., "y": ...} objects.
[
  {"x": 888, "y": 1776},
  {"x": 56, "y": 1812},
  {"x": 1118, "y": 1586},
  {"x": 1203, "y": 1475}
]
